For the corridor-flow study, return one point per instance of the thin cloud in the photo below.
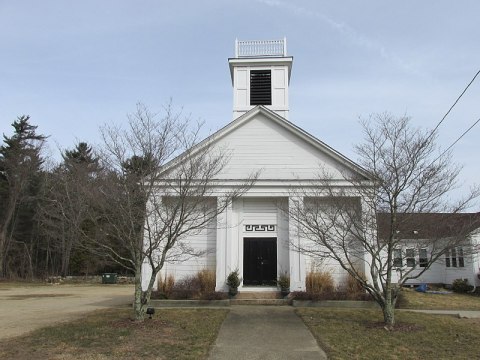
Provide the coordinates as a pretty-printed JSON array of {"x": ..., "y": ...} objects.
[{"x": 346, "y": 30}]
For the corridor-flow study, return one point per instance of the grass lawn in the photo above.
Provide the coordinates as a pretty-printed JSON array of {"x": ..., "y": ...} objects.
[
  {"x": 358, "y": 334},
  {"x": 417, "y": 300},
  {"x": 111, "y": 334}
]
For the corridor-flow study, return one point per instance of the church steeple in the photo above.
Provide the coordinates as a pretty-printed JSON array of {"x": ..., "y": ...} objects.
[{"x": 260, "y": 74}]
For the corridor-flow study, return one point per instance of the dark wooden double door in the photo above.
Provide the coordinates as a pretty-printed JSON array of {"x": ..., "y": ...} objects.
[{"x": 260, "y": 261}]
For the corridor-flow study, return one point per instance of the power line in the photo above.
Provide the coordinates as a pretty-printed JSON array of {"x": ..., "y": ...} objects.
[
  {"x": 446, "y": 114},
  {"x": 458, "y": 139},
  {"x": 455, "y": 103}
]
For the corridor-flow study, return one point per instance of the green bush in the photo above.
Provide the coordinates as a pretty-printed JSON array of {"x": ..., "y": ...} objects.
[
  {"x": 233, "y": 282},
  {"x": 284, "y": 281},
  {"x": 461, "y": 286}
]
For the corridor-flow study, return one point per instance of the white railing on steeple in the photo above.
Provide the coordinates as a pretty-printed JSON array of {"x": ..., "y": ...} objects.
[{"x": 259, "y": 48}]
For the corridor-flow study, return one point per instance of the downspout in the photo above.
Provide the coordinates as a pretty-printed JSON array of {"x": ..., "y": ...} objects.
[
  {"x": 475, "y": 281},
  {"x": 474, "y": 273},
  {"x": 472, "y": 258}
]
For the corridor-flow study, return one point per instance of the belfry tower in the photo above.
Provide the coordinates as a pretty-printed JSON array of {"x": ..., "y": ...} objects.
[{"x": 260, "y": 74}]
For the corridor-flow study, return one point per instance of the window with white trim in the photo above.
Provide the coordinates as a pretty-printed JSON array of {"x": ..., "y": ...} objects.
[
  {"x": 454, "y": 258},
  {"x": 397, "y": 258},
  {"x": 422, "y": 258},
  {"x": 410, "y": 256},
  {"x": 461, "y": 262}
]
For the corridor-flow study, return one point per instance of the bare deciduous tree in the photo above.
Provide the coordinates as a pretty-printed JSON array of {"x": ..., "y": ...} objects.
[
  {"x": 157, "y": 188},
  {"x": 64, "y": 208},
  {"x": 408, "y": 176}
]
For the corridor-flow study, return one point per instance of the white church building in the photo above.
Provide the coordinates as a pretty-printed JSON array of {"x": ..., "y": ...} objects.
[{"x": 254, "y": 235}]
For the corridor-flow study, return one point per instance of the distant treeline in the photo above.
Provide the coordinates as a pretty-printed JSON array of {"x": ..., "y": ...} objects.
[{"x": 46, "y": 214}]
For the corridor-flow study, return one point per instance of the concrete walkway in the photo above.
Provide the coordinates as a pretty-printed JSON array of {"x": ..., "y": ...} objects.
[
  {"x": 467, "y": 314},
  {"x": 265, "y": 332}
]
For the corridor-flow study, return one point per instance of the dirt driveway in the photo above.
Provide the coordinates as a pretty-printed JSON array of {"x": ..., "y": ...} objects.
[{"x": 26, "y": 308}]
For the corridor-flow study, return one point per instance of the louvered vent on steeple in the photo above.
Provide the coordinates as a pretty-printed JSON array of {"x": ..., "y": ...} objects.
[{"x": 260, "y": 87}]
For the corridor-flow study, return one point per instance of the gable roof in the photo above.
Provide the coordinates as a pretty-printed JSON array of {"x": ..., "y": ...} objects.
[
  {"x": 429, "y": 225},
  {"x": 279, "y": 120}
]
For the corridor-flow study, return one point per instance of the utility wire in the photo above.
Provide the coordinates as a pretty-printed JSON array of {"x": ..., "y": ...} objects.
[
  {"x": 448, "y": 112},
  {"x": 455, "y": 103},
  {"x": 458, "y": 139}
]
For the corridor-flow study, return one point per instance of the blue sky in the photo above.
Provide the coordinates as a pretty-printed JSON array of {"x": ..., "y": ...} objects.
[{"x": 74, "y": 65}]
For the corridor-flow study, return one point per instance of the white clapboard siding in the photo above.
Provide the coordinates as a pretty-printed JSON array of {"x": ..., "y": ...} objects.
[
  {"x": 262, "y": 144},
  {"x": 339, "y": 275},
  {"x": 454, "y": 273},
  {"x": 260, "y": 211},
  {"x": 436, "y": 274},
  {"x": 204, "y": 241}
]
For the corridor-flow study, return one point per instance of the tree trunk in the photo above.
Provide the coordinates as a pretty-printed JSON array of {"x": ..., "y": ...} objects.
[
  {"x": 66, "y": 256},
  {"x": 138, "y": 306},
  {"x": 389, "y": 314},
  {"x": 142, "y": 298},
  {"x": 4, "y": 238},
  {"x": 2, "y": 265},
  {"x": 3, "y": 250}
]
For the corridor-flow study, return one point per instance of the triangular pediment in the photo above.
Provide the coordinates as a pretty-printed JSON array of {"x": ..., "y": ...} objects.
[{"x": 262, "y": 141}]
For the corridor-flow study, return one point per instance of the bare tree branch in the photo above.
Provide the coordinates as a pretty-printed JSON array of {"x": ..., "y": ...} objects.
[{"x": 370, "y": 220}]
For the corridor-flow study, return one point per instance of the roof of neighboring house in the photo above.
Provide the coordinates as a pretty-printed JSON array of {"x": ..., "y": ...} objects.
[{"x": 429, "y": 225}]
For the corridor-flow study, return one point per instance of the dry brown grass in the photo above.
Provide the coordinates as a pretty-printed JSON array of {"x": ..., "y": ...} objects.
[
  {"x": 412, "y": 299},
  {"x": 33, "y": 296},
  {"x": 166, "y": 285},
  {"x": 7, "y": 284},
  {"x": 111, "y": 334},
  {"x": 197, "y": 286},
  {"x": 360, "y": 334},
  {"x": 318, "y": 282},
  {"x": 352, "y": 285},
  {"x": 207, "y": 280}
]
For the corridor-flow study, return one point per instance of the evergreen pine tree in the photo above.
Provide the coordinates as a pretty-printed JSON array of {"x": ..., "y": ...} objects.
[{"x": 20, "y": 171}]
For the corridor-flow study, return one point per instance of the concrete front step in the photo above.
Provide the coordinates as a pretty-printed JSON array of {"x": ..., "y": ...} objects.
[
  {"x": 258, "y": 295},
  {"x": 274, "y": 302},
  {"x": 216, "y": 303}
]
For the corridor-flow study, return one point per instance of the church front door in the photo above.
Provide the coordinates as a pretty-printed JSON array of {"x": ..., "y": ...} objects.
[{"x": 259, "y": 261}]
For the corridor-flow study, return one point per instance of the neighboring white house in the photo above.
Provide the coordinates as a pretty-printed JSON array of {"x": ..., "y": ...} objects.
[
  {"x": 255, "y": 234},
  {"x": 421, "y": 231}
]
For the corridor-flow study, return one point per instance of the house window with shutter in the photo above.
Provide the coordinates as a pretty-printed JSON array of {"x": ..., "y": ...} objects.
[
  {"x": 410, "y": 255},
  {"x": 397, "y": 258},
  {"x": 461, "y": 262},
  {"x": 422, "y": 258},
  {"x": 454, "y": 258},
  {"x": 260, "y": 87}
]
